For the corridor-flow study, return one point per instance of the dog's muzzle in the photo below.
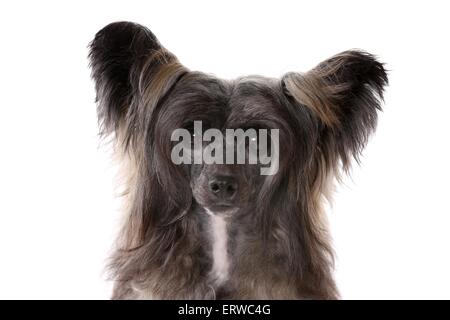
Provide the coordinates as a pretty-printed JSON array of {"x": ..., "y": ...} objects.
[{"x": 223, "y": 189}]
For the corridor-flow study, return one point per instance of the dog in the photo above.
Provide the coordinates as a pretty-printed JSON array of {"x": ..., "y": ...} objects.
[{"x": 220, "y": 230}]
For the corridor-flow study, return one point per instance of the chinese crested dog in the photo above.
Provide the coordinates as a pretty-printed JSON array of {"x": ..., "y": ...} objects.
[{"x": 197, "y": 229}]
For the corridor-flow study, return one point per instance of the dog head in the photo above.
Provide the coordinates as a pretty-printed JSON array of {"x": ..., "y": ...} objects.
[{"x": 323, "y": 119}]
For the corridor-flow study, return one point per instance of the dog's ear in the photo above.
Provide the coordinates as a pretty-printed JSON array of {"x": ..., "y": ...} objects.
[
  {"x": 125, "y": 57},
  {"x": 345, "y": 93}
]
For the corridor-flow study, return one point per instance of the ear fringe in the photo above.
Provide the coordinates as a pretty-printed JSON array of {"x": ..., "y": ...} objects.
[
  {"x": 311, "y": 91},
  {"x": 116, "y": 55},
  {"x": 345, "y": 92}
]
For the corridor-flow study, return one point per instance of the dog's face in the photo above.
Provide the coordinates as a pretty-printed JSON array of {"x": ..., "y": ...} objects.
[
  {"x": 323, "y": 118},
  {"x": 251, "y": 103},
  {"x": 245, "y": 104}
]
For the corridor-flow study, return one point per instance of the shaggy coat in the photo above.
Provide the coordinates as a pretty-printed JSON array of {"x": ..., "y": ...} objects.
[{"x": 273, "y": 242}]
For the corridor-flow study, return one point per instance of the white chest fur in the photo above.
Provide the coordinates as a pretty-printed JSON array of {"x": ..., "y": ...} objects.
[{"x": 218, "y": 232}]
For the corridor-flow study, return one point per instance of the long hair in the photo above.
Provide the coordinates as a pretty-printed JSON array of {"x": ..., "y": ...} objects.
[{"x": 280, "y": 247}]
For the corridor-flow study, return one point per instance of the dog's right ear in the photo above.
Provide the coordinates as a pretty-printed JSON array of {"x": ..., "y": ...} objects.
[{"x": 127, "y": 63}]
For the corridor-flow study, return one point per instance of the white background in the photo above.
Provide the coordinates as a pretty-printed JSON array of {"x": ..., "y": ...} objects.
[{"x": 58, "y": 213}]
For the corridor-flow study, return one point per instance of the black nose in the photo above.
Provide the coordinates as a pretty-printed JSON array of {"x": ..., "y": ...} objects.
[{"x": 223, "y": 187}]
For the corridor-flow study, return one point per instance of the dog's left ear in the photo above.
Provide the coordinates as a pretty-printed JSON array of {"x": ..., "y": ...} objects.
[{"x": 345, "y": 93}]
